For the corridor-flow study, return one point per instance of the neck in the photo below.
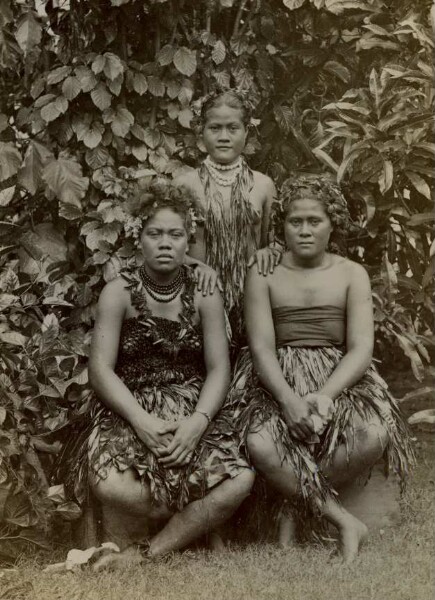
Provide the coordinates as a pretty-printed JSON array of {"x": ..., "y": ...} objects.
[
  {"x": 312, "y": 262},
  {"x": 224, "y": 166},
  {"x": 162, "y": 277}
]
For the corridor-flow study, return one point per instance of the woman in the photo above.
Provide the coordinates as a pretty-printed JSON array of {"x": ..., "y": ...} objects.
[
  {"x": 236, "y": 202},
  {"x": 317, "y": 414},
  {"x": 160, "y": 451}
]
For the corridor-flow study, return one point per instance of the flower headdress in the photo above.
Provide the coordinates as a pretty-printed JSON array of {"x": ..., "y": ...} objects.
[
  {"x": 241, "y": 98},
  {"x": 328, "y": 193},
  {"x": 147, "y": 202}
]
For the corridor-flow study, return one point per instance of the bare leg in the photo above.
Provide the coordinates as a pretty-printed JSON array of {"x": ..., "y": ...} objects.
[
  {"x": 265, "y": 456},
  {"x": 196, "y": 519},
  {"x": 204, "y": 515}
]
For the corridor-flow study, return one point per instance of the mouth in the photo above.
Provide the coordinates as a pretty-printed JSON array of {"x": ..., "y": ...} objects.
[
  {"x": 223, "y": 147},
  {"x": 164, "y": 257}
]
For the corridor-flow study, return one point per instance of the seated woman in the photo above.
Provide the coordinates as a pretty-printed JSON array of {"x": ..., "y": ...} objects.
[
  {"x": 160, "y": 452},
  {"x": 316, "y": 413}
]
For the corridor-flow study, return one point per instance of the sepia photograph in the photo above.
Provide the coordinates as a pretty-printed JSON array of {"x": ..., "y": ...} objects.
[{"x": 216, "y": 300}]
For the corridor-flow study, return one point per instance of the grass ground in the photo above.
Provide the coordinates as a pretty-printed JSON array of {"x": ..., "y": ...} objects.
[{"x": 396, "y": 564}]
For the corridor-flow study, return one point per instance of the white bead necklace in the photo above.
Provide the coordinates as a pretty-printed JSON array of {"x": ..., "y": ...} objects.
[{"x": 217, "y": 170}]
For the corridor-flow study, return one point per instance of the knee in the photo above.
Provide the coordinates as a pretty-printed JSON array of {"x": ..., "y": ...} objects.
[
  {"x": 244, "y": 482},
  {"x": 122, "y": 490},
  {"x": 371, "y": 438},
  {"x": 262, "y": 452}
]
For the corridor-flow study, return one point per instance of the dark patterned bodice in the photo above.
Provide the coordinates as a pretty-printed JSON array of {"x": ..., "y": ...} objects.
[{"x": 154, "y": 350}]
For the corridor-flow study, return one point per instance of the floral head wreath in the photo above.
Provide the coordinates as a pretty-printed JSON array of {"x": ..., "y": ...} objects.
[
  {"x": 146, "y": 203},
  {"x": 328, "y": 193},
  {"x": 202, "y": 105}
]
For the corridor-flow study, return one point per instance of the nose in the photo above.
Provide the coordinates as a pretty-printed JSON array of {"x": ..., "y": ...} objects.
[
  {"x": 223, "y": 134},
  {"x": 164, "y": 241},
  {"x": 305, "y": 229}
]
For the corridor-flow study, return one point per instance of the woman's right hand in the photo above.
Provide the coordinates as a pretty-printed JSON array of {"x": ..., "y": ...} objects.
[
  {"x": 296, "y": 413},
  {"x": 155, "y": 433}
]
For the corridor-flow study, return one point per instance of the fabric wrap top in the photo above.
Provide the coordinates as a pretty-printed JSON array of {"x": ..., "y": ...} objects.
[{"x": 309, "y": 326}]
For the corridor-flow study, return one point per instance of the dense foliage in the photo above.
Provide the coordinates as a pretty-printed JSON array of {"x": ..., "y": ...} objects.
[{"x": 95, "y": 99}]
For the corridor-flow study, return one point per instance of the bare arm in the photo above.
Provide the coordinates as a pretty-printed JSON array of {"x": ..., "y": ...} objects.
[
  {"x": 188, "y": 432},
  {"x": 110, "y": 389},
  {"x": 269, "y": 255},
  {"x": 359, "y": 335},
  {"x": 261, "y": 336},
  {"x": 270, "y": 190}
]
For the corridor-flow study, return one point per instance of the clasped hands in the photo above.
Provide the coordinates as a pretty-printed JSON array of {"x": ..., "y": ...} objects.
[
  {"x": 308, "y": 416},
  {"x": 172, "y": 442}
]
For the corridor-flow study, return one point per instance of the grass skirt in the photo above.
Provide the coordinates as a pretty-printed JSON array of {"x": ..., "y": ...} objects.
[
  {"x": 306, "y": 369},
  {"x": 111, "y": 443}
]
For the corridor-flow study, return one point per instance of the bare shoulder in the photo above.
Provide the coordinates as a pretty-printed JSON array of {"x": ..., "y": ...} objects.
[
  {"x": 209, "y": 304},
  {"x": 350, "y": 270},
  {"x": 257, "y": 281},
  {"x": 115, "y": 294},
  {"x": 263, "y": 181}
]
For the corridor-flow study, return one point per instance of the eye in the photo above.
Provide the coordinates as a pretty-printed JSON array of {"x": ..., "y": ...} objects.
[
  {"x": 294, "y": 222},
  {"x": 315, "y": 221},
  {"x": 177, "y": 234}
]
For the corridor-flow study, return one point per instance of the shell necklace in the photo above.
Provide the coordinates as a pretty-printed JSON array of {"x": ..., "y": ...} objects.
[
  {"x": 162, "y": 292},
  {"x": 224, "y": 175}
]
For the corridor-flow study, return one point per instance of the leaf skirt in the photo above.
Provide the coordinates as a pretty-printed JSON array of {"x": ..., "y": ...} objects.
[
  {"x": 306, "y": 370},
  {"x": 112, "y": 443}
]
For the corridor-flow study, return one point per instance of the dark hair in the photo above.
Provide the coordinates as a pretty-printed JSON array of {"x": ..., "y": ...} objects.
[
  {"x": 157, "y": 196},
  {"x": 233, "y": 98},
  {"x": 325, "y": 191}
]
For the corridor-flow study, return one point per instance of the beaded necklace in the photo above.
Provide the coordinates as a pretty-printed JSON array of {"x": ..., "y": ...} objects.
[
  {"x": 217, "y": 171},
  {"x": 162, "y": 292}
]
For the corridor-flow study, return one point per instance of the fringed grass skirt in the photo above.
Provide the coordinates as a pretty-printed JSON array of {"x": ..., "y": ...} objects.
[
  {"x": 112, "y": 444},
  {"x": 306, "y": 370}
]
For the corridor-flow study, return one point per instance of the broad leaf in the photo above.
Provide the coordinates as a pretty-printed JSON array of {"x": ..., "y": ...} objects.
[
  {"x": 10, "y": 160},
  {"x": 165, "y": 55},
  {"x": 293, "y": 4},
  {"x": 64, "y": 178},
  {"x": 30, "y": 175},
  {"x": 140, "y": 84},
  {"x": 86, "y": 78},
  {"x": 156, "y": 86},
  {"x": 29, "y": 32},
  {"x": 219, "y": 52},
  {"x": 140, "y": 152},
  {"x": 6, "y": 195},
  {"x": 185, "y": 61},
  {"x": 113, "y": 66},
  {"x": 122, "y": 121},
  {"x": 71, "y": 87},
  {"x": 101, "y": 96},
  {"x": 419, "y": 184},
  {"x": 57, "y": 75}
]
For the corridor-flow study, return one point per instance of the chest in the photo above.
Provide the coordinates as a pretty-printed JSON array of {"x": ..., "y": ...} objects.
[{"x": 307, "y": 289}]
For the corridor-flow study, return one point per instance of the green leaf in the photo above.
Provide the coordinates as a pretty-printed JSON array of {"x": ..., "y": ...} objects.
[
  {"x": 122, "y": 121},
  {"x": 101, "y": 97},
  {"x": 28, "y": 33},
  {"x": 185, "y": 116},
  {"x": 165, "y": 55},
  {"x": 419, "y": 184},
  {"x": 71, "y": 87},
  {"x": 218, "y": 53},
  {"x": 98, "y": 64},
  {"x": 58, "y": 75},
  {"x": 10, "y": 160},
  {"x": 30, "y": 175},
  {"x": 113, "y": 66},
  {"x": 173, "y": 88},
  {"x": 86, "y": 78},
  {"x": 337, "y": 69},
  {"x": 185, "y": 61},
  {"x": 13, "y": 337},
  {"x": 6, "y": 195},
  {"x": 421, "y": 219},
  {"x": 156, "y": 86},
  {"x": 64, "y": 178},
  {"x": 185, "y": 94}
]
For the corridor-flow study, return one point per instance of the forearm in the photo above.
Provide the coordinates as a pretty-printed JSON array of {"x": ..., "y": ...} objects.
[
  {"x": 351, "y": 368},
  {"x": 271, "y": 375},
  {"x": 188, "y": 260},
  {"x": 112, "y": 391},
  {"x": 213, "y": 392}
]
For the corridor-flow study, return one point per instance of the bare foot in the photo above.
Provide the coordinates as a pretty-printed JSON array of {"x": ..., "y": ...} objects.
[
  {"x": 286, "y": 531},
  {"x": 215, "y": 542},
  {"x": 352, "y": 535},
  {"x": 119, "y": 560}
]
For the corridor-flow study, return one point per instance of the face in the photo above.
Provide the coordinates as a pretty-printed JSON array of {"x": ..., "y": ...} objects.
[
  {"x": 164, "y": 241},
  {"x": 307, "y": 228},
  {"x": 224, "y": 134}
]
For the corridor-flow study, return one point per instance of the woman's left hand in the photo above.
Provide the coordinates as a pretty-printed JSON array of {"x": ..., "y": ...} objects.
[
  {"x": 187, "y": 434},
  {"x": 206, "y": 279},
  {"x": 266, "y": 259}
]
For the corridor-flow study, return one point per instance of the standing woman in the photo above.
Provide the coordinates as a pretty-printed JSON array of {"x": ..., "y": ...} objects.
[
  {"x": 236, "y": 202},
  {"x": 316, "y": 413},
  {"x": 160, "y": 453}
]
